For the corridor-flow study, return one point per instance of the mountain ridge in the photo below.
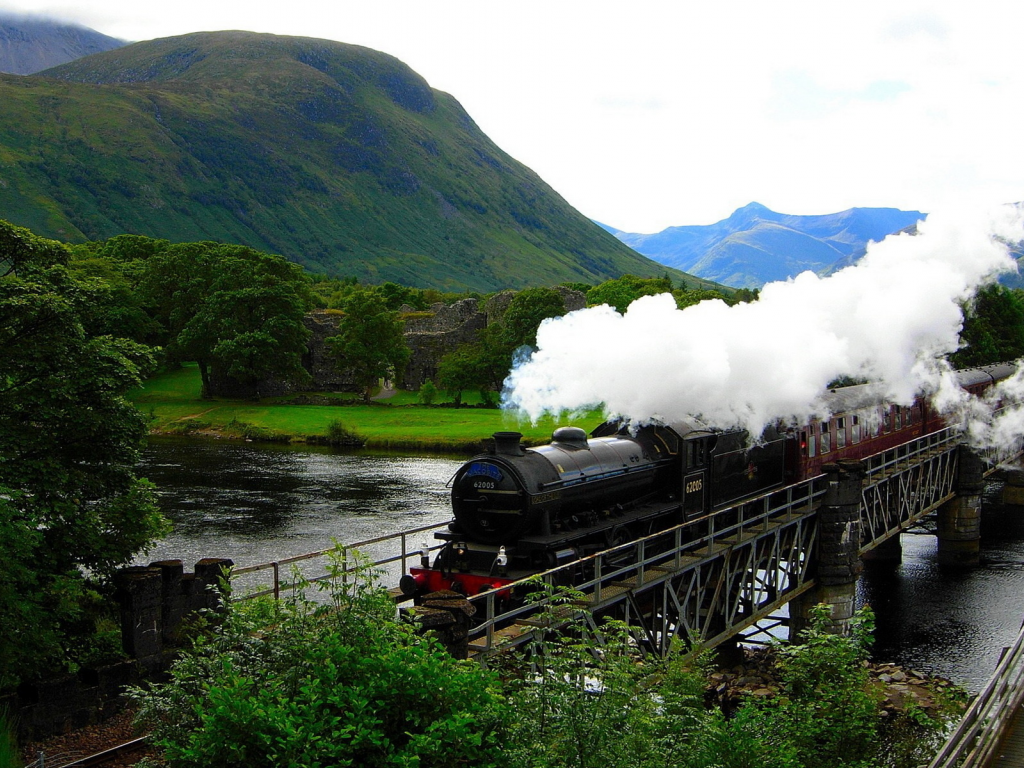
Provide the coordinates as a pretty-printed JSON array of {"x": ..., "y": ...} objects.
[
  {"x": 755, "y": 244},
  {"x": 337, "y": 156}
]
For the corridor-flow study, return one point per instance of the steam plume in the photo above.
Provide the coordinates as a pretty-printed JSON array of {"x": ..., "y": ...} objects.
[{"x": 889, "y": 319}]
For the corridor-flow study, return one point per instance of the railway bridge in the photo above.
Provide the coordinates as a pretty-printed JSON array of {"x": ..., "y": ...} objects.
[{"x": 729, "y": 574}]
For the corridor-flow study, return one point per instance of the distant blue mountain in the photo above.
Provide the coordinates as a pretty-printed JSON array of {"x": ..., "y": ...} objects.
[
  {"x": 33, "y": 43},
  {"x": 756, "y": 245}
]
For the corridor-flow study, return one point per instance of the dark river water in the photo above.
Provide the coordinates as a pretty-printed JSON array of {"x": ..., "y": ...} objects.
[
  {"x": 255, "y": 504},
  {"x": 956, "y": 622}
]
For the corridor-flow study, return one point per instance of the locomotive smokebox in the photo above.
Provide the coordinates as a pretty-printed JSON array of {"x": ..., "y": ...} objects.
[{"x": 508, "y": 443}]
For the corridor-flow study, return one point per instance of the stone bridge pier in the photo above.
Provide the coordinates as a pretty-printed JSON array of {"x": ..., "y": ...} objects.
[
  {"x": 838, "y": 550},
  {"x": 959, "y": 529}
]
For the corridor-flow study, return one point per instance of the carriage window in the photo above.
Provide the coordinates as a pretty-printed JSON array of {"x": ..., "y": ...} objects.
[
  {"x": 807, "y": 442},
  {"x": 899, "y": 417},
  {"x": 826, "y": 437},
  {"x": 887, "y": 420},
  {"x": 855, "y": 429},
  {"x": 840, "y": 433}
]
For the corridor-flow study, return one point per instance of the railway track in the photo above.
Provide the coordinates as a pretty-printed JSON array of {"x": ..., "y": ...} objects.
[{"x": 113, "y": 755}]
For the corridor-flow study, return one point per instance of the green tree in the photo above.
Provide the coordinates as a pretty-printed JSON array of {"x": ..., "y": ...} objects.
[
  {"x": 622, "y": 292},
  {"x": 481, "y": 365},
  {"x": 829, "y": 712},
  {"x": 251, "y": 334},
  {"x": 370, "y": 341},
  {"x": 428, "y": 393},
  {"x": 207, "y": 297},
  {"x": 71, "y": 508},
  {"x": 993, "y": 329},
  {"x": 686, "y": 299},
  {"x": 525, "y": 313}
]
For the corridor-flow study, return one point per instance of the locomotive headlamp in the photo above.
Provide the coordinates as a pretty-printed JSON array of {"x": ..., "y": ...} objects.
[
  {"x": 500, "y": 566},
  {"x": 424, "y": 554},
  {"x": 461, "y": 556}
]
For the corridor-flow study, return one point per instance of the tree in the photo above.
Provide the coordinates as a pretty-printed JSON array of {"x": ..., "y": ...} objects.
[
  {"x": 525, "y": 313},
  {"x": 71, "y": 508},
  {"x": 207, "y": 296},
  {"x": 686, "y": 299},
  {"x": 370, "y": 341},
  {"x": 251, "y": 334},
  {"x": 622, "y": 292},
  {"x": 993, "y": 329},
  {"x": 481, "y": 365}
]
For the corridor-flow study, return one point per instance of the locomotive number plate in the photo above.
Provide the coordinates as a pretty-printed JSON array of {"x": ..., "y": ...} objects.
[
  {"x": 694, "y": 484},
  {"x": 544, "y": 498}
]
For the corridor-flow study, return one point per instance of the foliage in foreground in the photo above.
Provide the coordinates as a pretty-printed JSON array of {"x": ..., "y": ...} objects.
[
  {"x": 339, "y": 683},
  {"x": 343, "y": 683},
  {"x": 72, "y": 510}
]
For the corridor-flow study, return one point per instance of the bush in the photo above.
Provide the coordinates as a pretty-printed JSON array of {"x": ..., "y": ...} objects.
[
  {"x": 322, "y": 684},
  {"x": 339, "y": 434},
  {"x": 428, "y": 393}
]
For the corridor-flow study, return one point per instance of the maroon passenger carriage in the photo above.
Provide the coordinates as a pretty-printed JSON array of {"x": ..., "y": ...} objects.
[{"x": 519, "y": 511}]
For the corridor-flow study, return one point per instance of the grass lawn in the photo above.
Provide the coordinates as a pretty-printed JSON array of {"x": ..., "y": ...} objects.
[{"x": 171, "y": 400}]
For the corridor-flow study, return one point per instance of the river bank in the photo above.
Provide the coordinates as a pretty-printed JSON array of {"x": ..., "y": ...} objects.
[{"x": 171, "y": 400}]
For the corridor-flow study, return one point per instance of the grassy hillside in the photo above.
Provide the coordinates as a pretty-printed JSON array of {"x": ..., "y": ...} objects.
[{"x": 336, "y": 156}]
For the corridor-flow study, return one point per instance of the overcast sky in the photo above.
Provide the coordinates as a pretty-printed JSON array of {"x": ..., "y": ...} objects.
[{"x": 649, "y": 114}]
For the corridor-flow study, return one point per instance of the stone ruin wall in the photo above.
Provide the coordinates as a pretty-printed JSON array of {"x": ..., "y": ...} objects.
[{"x": 430, "y": 336}]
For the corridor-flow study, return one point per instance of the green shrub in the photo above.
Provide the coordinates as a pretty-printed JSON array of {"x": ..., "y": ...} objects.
[
  {"x": 427, "y": 393},
  {"x": 339, "y": 434},
  {"x": 335, "y": 683}
]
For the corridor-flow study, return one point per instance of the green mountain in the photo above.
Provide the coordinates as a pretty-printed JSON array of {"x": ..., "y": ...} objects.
[{"x": 336, "y": 156}]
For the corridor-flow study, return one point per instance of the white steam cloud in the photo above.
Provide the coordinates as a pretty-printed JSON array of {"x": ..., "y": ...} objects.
[{"x": 889, "y": 319}]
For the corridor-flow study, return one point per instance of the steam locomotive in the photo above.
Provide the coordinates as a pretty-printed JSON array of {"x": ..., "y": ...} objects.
[{"x": 518, "y": 511}]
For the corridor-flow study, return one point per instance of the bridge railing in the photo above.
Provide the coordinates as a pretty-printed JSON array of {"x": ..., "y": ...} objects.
[
  {"x": 910, "y": 452},
  {"x": 395, "y": 551},
  {"x": 976, "y": 738},
  {"x": 605, "y": 576}
]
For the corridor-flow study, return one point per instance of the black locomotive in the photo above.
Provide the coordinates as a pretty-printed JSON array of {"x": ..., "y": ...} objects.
[{"x": 522, "y": 510}]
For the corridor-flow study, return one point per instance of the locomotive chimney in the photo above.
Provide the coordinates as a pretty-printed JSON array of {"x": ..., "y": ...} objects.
[{"x": 507, "y": 443}]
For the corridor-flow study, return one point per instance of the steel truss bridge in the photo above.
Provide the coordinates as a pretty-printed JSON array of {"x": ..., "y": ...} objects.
[{"x": 706, "y": 580}]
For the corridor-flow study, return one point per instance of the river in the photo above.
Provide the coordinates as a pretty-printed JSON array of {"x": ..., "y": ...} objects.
[{"x": 257, "y": 503}]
